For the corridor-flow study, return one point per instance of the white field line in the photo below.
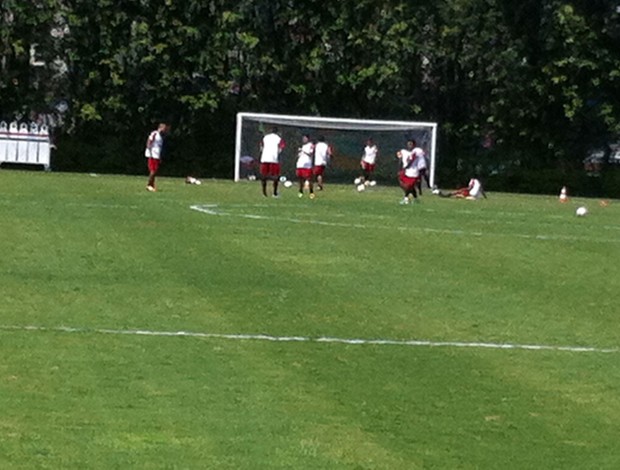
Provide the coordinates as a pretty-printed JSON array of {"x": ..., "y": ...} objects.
[
  {"x": 213, "y": 209},
  {"x": 319, "y": 339}
]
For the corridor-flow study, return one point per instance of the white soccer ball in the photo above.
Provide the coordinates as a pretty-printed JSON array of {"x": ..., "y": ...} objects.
[
  {"x": 357, "y": 181},
  {"x": 361, "y": 187},
  {"x": 282, "y": 179},
  {"x": 373, "y": 183},
  {"x": 288, "y": 184},
  {"x": 581, "y": 211},
  {"x": 252, "y": 178}
]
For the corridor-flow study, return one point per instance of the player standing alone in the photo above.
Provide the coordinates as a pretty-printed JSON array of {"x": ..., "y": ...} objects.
[
  {"x": 322, "y": 155},
  {"x": 153, "y": 151},
  {"x": 369, "y": 160},
  {"x": 271, "y": 146},
  {"x": 304, "y": 166},
  {"x": 409, "y": 173}
]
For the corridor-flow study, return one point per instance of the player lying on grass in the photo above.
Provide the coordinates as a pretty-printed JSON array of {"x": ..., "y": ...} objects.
[{"x": 473, "y": 191}]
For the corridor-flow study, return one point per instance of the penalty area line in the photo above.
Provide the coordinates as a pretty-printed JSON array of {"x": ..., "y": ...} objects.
[{"x": 318, "y": 339}]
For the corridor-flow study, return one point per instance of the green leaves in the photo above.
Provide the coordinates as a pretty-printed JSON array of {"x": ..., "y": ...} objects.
[{"x": 548, "y": 70}]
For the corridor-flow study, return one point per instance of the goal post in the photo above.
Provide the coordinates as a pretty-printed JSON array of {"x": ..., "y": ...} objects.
[{"x": 347, "y": 137}]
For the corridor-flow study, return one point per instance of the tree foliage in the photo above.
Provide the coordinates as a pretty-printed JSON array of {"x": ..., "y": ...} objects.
[{"x": 532, "y": 82}]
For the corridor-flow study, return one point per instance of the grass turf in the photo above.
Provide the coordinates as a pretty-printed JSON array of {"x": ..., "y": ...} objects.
[{"x": 102, "y": 253}]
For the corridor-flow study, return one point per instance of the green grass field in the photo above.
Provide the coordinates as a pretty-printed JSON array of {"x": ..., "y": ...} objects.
[{"x": 90, "y": 265}]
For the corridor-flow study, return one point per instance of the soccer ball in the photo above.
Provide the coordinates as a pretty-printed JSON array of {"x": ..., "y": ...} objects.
[
  {"x": 288, "y": 184},
  {"x": 282, "y": 179},
  {"x": 373, "y": 183},
  {"x": 581, "y": 211},
  {"x": 357, "y": 181},
  {"x": 361, "y": 187}
]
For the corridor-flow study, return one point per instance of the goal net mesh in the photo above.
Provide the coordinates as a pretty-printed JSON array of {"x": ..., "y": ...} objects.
[{"x": 346, "y": 137}]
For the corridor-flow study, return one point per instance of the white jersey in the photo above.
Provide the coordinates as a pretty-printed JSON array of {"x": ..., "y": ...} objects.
[
  {"x": 304, "y": 158},
  {"x": 322, "y": 154},
  {"x": 408, "y": 160},
  {"x": 420, "y": 158},
  {"x": 272, "y": 145},
  {"x": 370, "y": 154},
  {"x": 154, "y": 145},
  {"x": 475, "y": 188}
]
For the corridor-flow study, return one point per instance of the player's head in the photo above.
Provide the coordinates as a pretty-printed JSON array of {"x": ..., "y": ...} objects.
[
  {"x": 274, "y": 130},
  {"x": 163, "y": 127},
  {"x": 305, "y": 138},
  {"x": 370, "y": 141},
  {"x": 410, "y": 144}
]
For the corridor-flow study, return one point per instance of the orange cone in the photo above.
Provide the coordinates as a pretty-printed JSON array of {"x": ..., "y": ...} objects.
[{"x": 563, "y": 194}]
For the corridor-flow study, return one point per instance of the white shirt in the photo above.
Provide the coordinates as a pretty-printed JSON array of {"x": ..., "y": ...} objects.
[
  {"x": 370, "y": 154},
  {"x": 475, "y": 188},
  {"x": 272, "y": 145},
  {"x": 321, "y": 154},
  {"x": 154, "y": 145},
  {"x": 304, "y": 158},
  {"x": 420, "y": 158},
  {"x": 408, "y": 160}
]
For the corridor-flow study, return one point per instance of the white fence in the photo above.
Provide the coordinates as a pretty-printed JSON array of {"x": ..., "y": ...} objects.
[{"x": 23, "y": 143}]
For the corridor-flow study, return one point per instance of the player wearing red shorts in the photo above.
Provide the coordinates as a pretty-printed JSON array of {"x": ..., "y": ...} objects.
[
  {"x": 305, "y": 157},
  {"x": 322, "y": 155},
  {"x": 153, "y": 151},
  {"x": 409, "y": 173},
  {"x": 271, "y": 146},
  {"x": 369, "y": 160}
]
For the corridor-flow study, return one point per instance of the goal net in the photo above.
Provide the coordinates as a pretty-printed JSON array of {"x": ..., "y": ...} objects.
[{"x": 347, "y": 138}]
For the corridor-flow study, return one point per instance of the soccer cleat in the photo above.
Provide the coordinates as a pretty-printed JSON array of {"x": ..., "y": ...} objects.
[
  {"x": 404, "y": 201},
  {"x": 150, "y": 188},
  {"x": 276, "y": 196}
]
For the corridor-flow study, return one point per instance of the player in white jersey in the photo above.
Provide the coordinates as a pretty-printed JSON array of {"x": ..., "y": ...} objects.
[
  {"x": 322, "y": 156},
  {"x": 153, "y": 152},
  {"x": 270, "y": 148},
  {"x": 409, "y": 173},
  {"x": 422, "y": 169},
  {"x": 305, "y": 158},
  {"x": 369, "y": 161},
  {"x": 473, "y": 191}
]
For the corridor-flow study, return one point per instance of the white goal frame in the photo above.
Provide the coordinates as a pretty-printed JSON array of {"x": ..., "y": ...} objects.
[{"x": 336, "y": 123}]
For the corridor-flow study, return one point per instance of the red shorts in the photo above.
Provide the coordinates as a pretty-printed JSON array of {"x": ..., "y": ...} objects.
[
  {"x": 318, "y": 170},
  {"x": 153, "y": 164},
  {"x": 270, "y": 170},
  {"x": 406, "y": 181},
  {"x": 304, "y": 173},
  {"x": 369, "y": 167}
]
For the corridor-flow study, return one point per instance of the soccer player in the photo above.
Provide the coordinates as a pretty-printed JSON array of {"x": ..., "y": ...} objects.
[
  {"x": 409, "y": 173},
  {"x": 369, "y": 160},
  {"x": 153, "y": 151},
  {"x": 271, "y": 146},
  {"x": 473, "y": 191},
  {"x": 305, "y": 156},
  {"x": 422, "y": 169},
  {"x": 322, "y": 156}
]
